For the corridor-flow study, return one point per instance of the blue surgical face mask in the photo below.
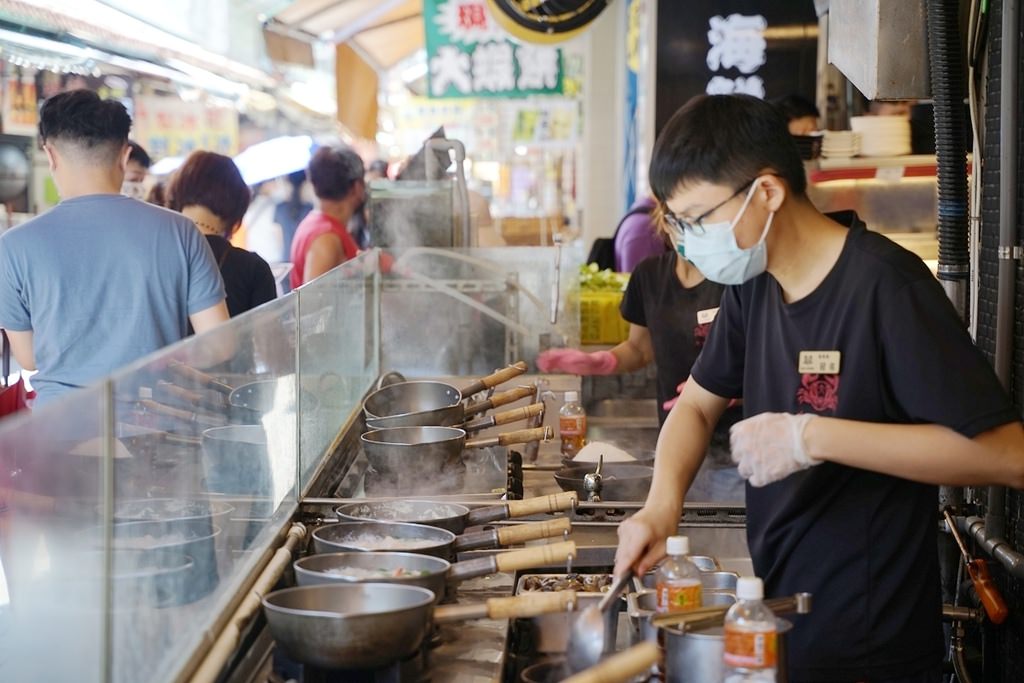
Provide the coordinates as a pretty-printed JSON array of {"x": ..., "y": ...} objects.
[{"x": 716, "y": 254}]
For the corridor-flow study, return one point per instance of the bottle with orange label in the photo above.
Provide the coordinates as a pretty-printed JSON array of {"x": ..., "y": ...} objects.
[
  {"x": 750, "y": 636},
  {"x": 678, "y": 579},
  {"x": 572, "y": 425}
]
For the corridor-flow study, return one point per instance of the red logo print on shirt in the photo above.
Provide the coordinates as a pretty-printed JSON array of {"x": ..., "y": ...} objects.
[
  {"x": 819, "y": 392},
  {"x": 700, "y": 335}
]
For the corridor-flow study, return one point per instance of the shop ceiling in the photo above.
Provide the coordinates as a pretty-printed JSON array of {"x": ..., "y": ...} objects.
[{"x": 384, "y": 31}]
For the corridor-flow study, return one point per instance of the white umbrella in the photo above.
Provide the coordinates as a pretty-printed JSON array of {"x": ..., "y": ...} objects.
[
  {"x": 166, "y": 166},
  {"x": 275, "y": 157}
]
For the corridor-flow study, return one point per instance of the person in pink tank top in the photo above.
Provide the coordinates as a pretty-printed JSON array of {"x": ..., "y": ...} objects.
[{"x": 322, "y": 241}]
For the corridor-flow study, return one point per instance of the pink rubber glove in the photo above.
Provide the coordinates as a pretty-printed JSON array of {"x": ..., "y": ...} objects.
[
  {"x": 669, "y": 404},
  {"x": 576, "y": 362},
  {"x": 769, "y": 447}
]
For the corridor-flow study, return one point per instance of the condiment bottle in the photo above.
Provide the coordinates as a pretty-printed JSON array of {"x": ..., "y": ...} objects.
[
  {"x": 572, "y": 425},
  {"x": 678, "y": 579},
  {"x": 750, "y": 636}
]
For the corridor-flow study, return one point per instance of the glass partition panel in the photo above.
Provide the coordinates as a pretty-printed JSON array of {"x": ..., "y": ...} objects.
[
  {"x": 338, "y": 352},
  {"x": 464, "y": 312},
  {"x": 53, "y": 585},
  {"x": 208, "y": 431}
]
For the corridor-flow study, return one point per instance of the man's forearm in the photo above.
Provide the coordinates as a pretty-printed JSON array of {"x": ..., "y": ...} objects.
[
  {"x": 681, "y": 447},
  {"x": 926, "y": 453}
]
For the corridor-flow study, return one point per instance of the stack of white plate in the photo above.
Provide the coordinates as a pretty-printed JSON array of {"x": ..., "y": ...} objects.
[
  {"x": 840, "y": 144},
  {"x": 882, "y": 136}
]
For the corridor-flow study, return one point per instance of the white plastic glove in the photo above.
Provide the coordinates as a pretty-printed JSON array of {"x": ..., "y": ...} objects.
[{"x": 770, "y": 447}]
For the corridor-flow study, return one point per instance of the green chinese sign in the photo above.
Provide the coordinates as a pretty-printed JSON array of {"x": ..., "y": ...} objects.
[{"x": 469, "y": 55}]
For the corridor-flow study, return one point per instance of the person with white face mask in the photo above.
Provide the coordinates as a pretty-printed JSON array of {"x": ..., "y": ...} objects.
[
  {"x": 862, "y": 392},
  {"x": 670, "y": 307},
  {"x": 136, "y": 172}
]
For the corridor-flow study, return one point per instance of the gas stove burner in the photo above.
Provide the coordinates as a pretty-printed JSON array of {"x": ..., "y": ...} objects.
[
  {"x": 448, "y": 481},
  {"x": 412, "y": 670}
]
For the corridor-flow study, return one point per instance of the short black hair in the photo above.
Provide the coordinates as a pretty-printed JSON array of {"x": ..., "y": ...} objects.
[
  {"x": 139, "y": 154},
  {"x": 796, "y": 107},
  {"x": 333, "y": 171},
  {"x": 82, "y": 118},
  {"x": 378, "y": 166},
  {"x": 725, "y": 140}
]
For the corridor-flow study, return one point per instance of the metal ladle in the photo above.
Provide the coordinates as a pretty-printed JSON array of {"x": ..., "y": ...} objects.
[{"x": 589, "y": 639}]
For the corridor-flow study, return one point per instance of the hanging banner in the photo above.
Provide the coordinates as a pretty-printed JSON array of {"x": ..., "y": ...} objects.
[
  {"x": 169, "y": 127},
  {"x": 112, "y": 87},
  {"x": 20, "y": 112},
  {"x": 469, "y": 55}
]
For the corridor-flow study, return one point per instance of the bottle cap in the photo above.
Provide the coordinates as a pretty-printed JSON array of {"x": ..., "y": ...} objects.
[
  {"x": 749, "y": 588},
  {"x": 677, "y": 545},
  {"x": 572, "y": 396}
]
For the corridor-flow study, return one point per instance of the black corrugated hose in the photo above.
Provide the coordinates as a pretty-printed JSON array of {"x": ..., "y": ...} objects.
[{"x": 948, "y": 78}]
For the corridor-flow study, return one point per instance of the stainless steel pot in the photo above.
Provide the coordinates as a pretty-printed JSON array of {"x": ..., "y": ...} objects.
[
  {"x": 343, "y": 537},
  {"x": 236, "y": 460},
  {"x": 162, "y": 544},
  {"x": 455, "y": 518},
  {"x": 371, "y": 625},
  {"x": 427, "y": 451},
  {"x": 432, "y": 573},
  {"x": 642, "y": 605},
  {"x": 425, "y": 403},
  {"x": 697, "y": 657}
]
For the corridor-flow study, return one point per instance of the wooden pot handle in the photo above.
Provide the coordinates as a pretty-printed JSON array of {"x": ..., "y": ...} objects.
[
  {"x": 521, "y": 533},
  {"x": 199, "y": 418},
  {"x": 510, "y": 438},
  {"x": 537, "y": 556},
  {"x": 507, "y": 417},
  {"x": 500, "y": 399},
  {"x": 200, "y": 378},
  {"x": 518, "y": 414},
  {"x": 542, "y": 504},
  {"x": 495, "y": 378},
  {"x": 519, "y": 607},
  {"x": 622, "y": 666}
]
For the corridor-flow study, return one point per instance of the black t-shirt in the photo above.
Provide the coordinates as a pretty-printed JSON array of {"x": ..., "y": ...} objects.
[
  {"x": 248, "y": 280},
  {"x": 677, "y": 318},
  {"x": 863, "y": 543}
]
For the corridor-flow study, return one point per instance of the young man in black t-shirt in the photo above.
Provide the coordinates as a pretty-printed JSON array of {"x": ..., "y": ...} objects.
[{"x": 862, "y": 392}]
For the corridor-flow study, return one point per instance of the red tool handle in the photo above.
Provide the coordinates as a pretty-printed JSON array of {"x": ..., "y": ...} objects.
[{"x": 991, "y": 599}]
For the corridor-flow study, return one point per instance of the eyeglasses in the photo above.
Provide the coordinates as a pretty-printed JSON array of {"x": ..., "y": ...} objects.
[{"x": 696, "y": 226}]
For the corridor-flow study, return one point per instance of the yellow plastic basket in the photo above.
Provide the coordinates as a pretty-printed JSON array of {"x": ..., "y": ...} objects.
[{"x": 600, "y": 321}]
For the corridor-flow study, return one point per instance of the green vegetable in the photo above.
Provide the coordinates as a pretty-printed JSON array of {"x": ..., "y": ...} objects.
[{"x": 594, "y": 280}]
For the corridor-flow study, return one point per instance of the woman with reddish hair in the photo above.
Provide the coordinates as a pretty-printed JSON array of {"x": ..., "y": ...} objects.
[{"x": 208, "y": 188}]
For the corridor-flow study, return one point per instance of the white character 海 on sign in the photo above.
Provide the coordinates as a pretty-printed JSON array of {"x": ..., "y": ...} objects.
[
  {"x": 737, "y": 41},
  {"x": 538, "y": 67},
  {"x": 450, "y": 68},
  {"x": 493, "y": 68}
]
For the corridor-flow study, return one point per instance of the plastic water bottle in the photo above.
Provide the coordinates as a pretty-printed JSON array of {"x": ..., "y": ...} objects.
[
  {"x": 678, "y": 579},
  {"x": 750, "y": 636},
  {"x": 572, "y": 425}
]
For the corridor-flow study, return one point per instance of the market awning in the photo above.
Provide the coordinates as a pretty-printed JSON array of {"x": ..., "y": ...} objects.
[{"x": 384, "y": 31}]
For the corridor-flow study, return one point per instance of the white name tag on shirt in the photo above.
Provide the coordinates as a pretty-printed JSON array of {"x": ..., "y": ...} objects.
[
  {"x": 706, "y": 316},
  {"x": 819, "y": 362}
]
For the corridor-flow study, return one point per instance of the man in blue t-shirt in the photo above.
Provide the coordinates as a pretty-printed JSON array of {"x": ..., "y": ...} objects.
[
  {"x": 862, "y": 391},
  {"x": 101, "y": 279}
]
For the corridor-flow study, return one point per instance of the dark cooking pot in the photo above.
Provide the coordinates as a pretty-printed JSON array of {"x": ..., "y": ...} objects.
[
  {"x": 619, "y": 482},
  {"x": 551, "y": 671}
]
